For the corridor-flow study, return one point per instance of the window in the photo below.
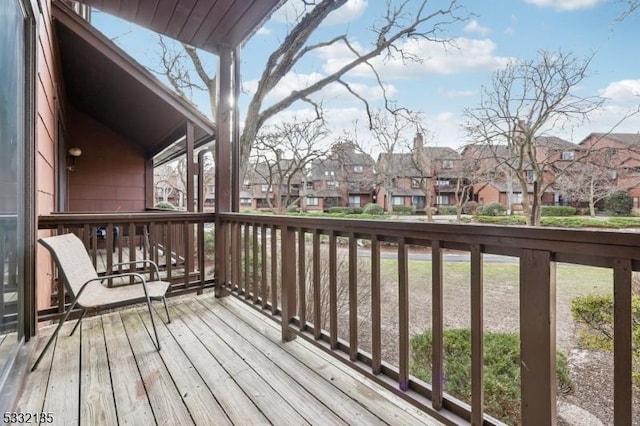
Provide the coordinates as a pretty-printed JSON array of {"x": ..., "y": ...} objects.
[
  {"x": 447, "y": 164},
  {"x": 516, "y": 198},
  {"x": 418, "y": 201},
  {"x": 329, "y": 173},
  {"x": 416, "y": 183},
  {"x": 567, "y": 155},
  {"x": 442, "y": 200},
  {"x": 211, "y": 189},
  {"x": 265, "y": 188},
  {"x": 312, "y": 201},
  {"x": 245, "y": 201},
  {"x": 354, "y": 201},
  {"x": 358, "y": 169},
  {"x": 530, "y": 176},
  {"x": 612, "y": 174},
  {"x": 397, "y": 201},
  {"x": 443, "y": 182},
  {"x": 332, "y": 183},
  {"x": 309, "y": 185}
]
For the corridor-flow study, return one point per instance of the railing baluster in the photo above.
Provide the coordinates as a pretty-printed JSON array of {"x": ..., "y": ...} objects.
[
  {"x": 235, "y": 256},
  {"x": 622, "y": 329},
  {"x": 353, "y": 298},
  {"x": 437, "y": 324},
  {"x": 274, "y": 271},
  {"x": 288, "y": 281},
  {"x": 477, "y": 330},
  {"x": 254, "y": 251},
  {"x": 333, "y": 291},
  {"x": 403, "y": 316},
  {"x": 109, "y": 252},
  {"x": 187, "y": 241},
  {"x": 317, "y": 306},
  {"x": 168, "y": 253},
  {"x": 538, "y": 338},
  {"x": 263, "y": 278},
  {"x": 246, "y": 286},
  {"x": 376, "y": 317},
  {"x": 302, "y": 284},
  {"x": 201, "y": 255}
]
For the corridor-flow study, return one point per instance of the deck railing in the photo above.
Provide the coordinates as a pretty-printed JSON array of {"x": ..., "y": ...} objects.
[
  {"x": 9, "y": 261},
  {"x": 290, "y": 268},
  {"x": 174, "y": 240}
]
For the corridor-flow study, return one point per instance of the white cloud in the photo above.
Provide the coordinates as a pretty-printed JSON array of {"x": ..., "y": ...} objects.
[
  {"x": 436, "y": 59},
  {"x": 623, "y": 91},
  {"x": 453, "y": 94},
  {"x": 475, "y": 28},
  {"x": 263, "y": 31},
  {"x": 292, "y": 10},
  {"x": 565, "y": 4}
]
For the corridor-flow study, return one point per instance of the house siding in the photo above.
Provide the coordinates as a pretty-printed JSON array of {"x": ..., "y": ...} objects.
[
  {"x": 109, "y": 176},
  {"x": 46, "y": 142}
]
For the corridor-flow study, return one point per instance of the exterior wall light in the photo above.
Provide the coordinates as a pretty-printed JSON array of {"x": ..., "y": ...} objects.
[{"x": 73, "y": 153}]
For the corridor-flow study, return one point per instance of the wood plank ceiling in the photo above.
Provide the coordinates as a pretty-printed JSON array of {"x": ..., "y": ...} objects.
[{"x": 211, "y": 25}]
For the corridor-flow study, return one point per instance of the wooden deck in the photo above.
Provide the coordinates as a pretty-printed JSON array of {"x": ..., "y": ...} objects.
[{"x": 221, "y": 363}]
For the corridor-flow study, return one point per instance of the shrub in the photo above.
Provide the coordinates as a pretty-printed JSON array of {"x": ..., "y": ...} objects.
[
  {"x": 341, "y": 210},
  {"x": 470, "y": 207},
  {"x": 292, "y": 209},
  {"x": 165, "y": 205},
  {"x": 373, "y": 209},
  {"x": 447, "y": 210},
  {"x": 404, "y": 209},
  {"x": 501, "y": 369},
  {"x": 594, "y": 316},
  {"x": 492, "y": 209},
  {"x": 209, "y": 241},
  {"x": 356, "y": 210},
  {"x": 619, "y": 204},
  {"x": 558, "y": 211},
  {"x": 502, "y": 220}
]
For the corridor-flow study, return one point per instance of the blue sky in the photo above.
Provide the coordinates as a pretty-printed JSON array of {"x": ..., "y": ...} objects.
[{"x": 449, "y": 80}]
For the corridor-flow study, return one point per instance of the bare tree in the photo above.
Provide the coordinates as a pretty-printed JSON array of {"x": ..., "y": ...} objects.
[
  {"x": 391, "y": 132},
  {"x": 525, "y": 100},
  {"x": 631, "y": 7},
  {"x": 588, "y": 183},
  {"x": 401, "y": 23},
  {"x": 283, "y": 153}
]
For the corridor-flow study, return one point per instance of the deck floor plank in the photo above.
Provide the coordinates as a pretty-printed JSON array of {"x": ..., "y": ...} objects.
[
  {"x": 196, "y": 395},
  {"x": 132, "y": 404},
  {"x": 222, "y": 362},
  {"x": 371, "y": 396},
  {"x": 274, "y": 406},
  {"x": 97, "y": 405},
  {"x": 166, "y": 402},
  {"x": 302, "y": 393},
  {"x": 63, "y": 390},
  {"x": 235, "y": 403}
]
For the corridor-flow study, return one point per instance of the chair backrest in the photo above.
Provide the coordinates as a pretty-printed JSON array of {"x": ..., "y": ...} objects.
[{"x": 72, "y": 260}]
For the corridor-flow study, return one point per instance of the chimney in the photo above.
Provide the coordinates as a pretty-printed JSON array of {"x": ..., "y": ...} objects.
[{"x": 418, "y": 141}]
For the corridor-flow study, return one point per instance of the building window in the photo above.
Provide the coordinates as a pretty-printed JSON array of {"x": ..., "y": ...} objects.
[
  {"x": 416, "y": 183},
  {"x": 530, "y": 176},
  {"x": 312, "y": 201},
  {"x": 265, "y": 188},
  {"x": 354, "y": 201},
  {"x": 245, "y": 201},
  {"x": 447, "y": 164},
  {"x": 332, "y": 183},
  {"x": 211, "y": 189},
  {"x": 442, "y": 200},
  {"x": 358, "y": 169},
  {"x": 516, "y": 198},
  {"x": 397, "y": 201},
  {"x": 567, "y": 155},
  {"x": 443, "y": 182},
  {"x": 418, "y": 201},
  {"x": 309, "y": 186}
]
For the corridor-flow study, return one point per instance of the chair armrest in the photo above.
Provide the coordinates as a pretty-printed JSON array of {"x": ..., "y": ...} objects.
[
  {"x": 124, "y": 274},
  {"x": 133, "y": 262}
]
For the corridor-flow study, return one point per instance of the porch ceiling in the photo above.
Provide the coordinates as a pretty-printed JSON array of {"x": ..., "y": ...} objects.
[
  {"x": 210, "y": 25},
  {"x": 104, "y": 82}
]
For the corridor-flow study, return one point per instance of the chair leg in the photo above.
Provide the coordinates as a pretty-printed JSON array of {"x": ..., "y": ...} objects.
[
  {"x": 84, "y": 311},
  {"x": 153, "y": 323},
  {"x": 164, "y": 300},
  {"x": 55, "y": 333}
]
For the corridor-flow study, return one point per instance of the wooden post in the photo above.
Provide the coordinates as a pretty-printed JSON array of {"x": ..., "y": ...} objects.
[
  {"x": 223, "y": 162},
  {"x": 538, "y": 338},
  {"x": 622, "y": 346},
  {"x": 437, "y": 324}
]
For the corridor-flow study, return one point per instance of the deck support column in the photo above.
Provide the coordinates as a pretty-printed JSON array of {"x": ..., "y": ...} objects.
[
  {"x": 538, "y": 338},
  {"x": 224, "y": 121},
  {"x": 288, "y": 301}
]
